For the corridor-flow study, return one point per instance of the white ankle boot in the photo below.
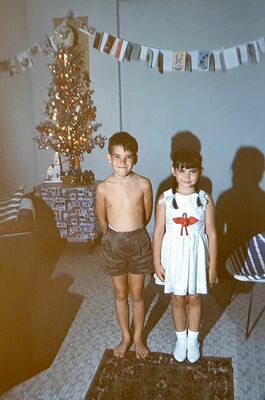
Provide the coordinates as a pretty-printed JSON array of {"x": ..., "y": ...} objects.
[
  {"x": 193, "y": 353},
  {"x": 180, "y": 351}
]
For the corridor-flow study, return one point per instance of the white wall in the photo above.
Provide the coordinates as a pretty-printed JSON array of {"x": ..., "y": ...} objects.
[
  {"x": 223, "y": 110},
  {"x": 17, "y": 150}
]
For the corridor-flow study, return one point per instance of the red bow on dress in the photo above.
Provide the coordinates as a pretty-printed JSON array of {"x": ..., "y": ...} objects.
[{"x": 185, "y": 222}]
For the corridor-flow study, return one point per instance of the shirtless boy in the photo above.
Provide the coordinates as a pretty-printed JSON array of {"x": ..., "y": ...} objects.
[{"x": 124, "y": 207}]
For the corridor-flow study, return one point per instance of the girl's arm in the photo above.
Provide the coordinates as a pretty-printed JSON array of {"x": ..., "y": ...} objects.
[
  {"x": 101, "y": 207},
  {"x": 212, "y": 237},
  {"x": 158, "y": 237}
]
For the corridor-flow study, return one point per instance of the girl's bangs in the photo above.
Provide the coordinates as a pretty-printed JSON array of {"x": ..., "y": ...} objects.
[{"x": 187, "y": 164}]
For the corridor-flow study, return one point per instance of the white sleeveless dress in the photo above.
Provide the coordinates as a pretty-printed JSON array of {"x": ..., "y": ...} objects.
[{"x": 184, "y": 253}]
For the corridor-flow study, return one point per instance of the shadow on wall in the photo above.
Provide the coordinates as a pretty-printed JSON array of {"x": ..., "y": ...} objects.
[
  {"x": 179, "y": 140},
  {"x": 240, "y": 210},
  {"x": 36, "y": 309},
  {"x": 240, "y": 214}
]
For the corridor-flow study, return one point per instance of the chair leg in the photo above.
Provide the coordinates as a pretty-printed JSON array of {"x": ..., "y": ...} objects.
[
  {"x": 248, "y": 332},
  {"x": 231, "y": 298}
]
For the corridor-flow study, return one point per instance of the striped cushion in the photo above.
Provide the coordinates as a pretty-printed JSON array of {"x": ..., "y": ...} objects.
[
  {"x": 9, "y": 208},
  {"x": 248, "y": 261}
]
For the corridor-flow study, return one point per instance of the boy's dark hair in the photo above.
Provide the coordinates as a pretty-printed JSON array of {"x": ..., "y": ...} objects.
[
  {"x": 124, "y": 139},
  {"x": 187, "y": 158}
]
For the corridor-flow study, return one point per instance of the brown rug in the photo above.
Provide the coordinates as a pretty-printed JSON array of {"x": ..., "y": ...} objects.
[{"x": 160, "y": 377}]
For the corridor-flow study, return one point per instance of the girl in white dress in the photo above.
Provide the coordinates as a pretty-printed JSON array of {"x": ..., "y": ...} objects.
[{"x": 185, "y": 250}]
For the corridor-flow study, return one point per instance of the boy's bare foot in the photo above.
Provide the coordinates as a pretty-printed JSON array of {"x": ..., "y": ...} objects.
[
  {"x": 122, "y": 348},
  {"x": 141, "y": 349}
]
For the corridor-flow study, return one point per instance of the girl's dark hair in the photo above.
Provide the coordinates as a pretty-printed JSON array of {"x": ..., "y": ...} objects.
[
  {"x": 187, "y": 158},
  {"x": 124, "y": 139}
]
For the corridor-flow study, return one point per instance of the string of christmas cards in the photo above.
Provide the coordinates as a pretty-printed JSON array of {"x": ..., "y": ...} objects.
[{"x": 162, "y": 60}]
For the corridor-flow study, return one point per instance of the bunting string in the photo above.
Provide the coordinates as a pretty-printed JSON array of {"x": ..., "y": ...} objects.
[{"x": 121, "y": 49}]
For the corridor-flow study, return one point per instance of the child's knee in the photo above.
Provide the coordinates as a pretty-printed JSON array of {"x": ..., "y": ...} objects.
[
  {"x": 137, "y": 296},
  {"x": 178, "y": 301},
  {"x": 194, "y": 300},
  {"x": 121, "y": 295}
]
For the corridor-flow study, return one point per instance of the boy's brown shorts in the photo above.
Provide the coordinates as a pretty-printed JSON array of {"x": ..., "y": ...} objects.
[{"x": 124, "y": 252}]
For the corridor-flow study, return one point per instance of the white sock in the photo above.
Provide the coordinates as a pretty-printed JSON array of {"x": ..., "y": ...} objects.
[
  {"x": 180, "y": 351},
  {"x": 193, "y": 353}
]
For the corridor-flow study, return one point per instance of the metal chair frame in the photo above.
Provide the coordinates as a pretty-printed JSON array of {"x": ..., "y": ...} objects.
[{"x": 241, "y": 266}]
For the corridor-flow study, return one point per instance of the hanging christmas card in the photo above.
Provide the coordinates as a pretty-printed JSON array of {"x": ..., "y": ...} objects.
[
  {"x": 135, "y": 53},
  {"x": 253, "y": 53},
  {"x": 118, "y": 49},
  {"x": 97, "y": 40},
  {"x": 243, "y": 53},
  {"x": 46, "y": 46},
  {"x": 167, "y": 60},
  {"x": 261, "y": 45},
  {"x": 103, "y": 41},
  {"x": 34, "y": 50},
  {"x": 89, "y": 31},
  {"x": 179, "y": 60},
  {"x": 123, "y": 50},
  {"x": 216, "y": 54},
  {"x": 203, "y": 60},
  {"x": 154, "y": 62},
  {"x": 160, "y": 62},
  {"x": 149, "y": 57},
  {"x": 14, "y": 67},
  {"x": 109, "y": 43},
  {"x": 143, "y": 53},
  {"x": 230, "y": 57},
  {"x": 128, "y": 51},
  {"x": 24, "y": 61}
]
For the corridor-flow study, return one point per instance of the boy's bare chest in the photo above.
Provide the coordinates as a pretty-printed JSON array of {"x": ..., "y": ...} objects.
[{"x": 124, "y": 196}]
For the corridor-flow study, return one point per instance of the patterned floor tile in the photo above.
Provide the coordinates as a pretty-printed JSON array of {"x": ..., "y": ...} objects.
[{"x": 95, "y": 328}]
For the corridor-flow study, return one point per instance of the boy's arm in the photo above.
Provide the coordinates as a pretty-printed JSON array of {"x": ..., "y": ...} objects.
[
  {"x": 212, "y": 237},
  {"x": 148, "y": 200},
  {"x": 101, "y": 208},
  {"x": 158, "y": 237}
]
